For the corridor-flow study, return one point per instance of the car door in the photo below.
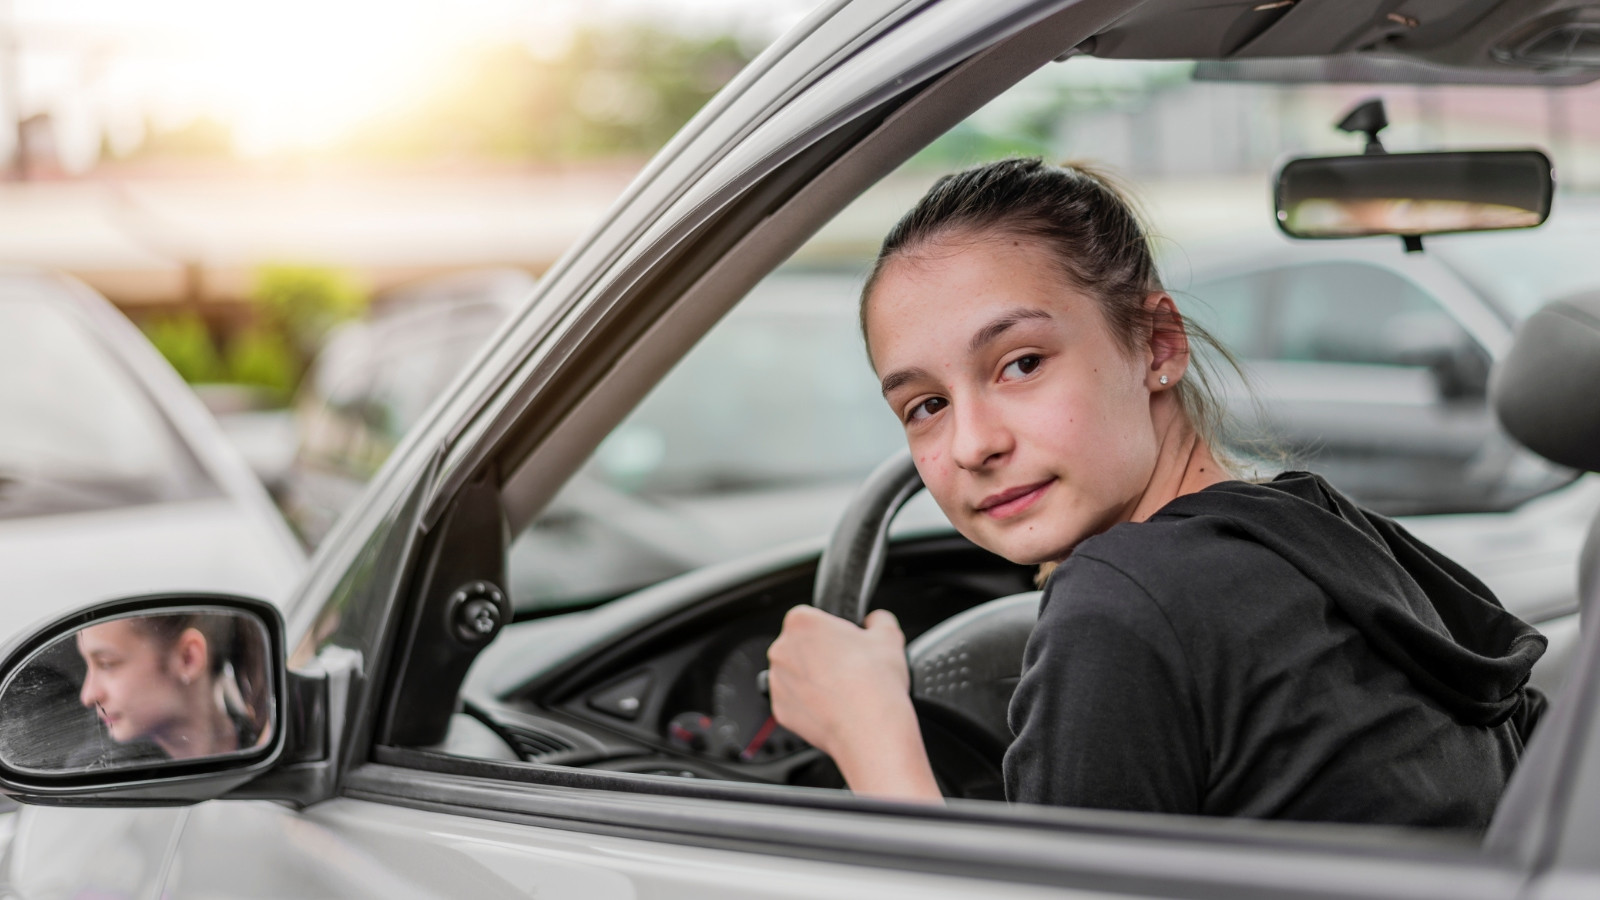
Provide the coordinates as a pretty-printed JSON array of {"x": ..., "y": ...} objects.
[
  {"x": 368, "y": 813},
  {"x": 409, "y": 817}
]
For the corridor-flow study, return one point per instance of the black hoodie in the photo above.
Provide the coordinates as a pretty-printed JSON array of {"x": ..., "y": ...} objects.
[{"x": 1271, "y": 651}]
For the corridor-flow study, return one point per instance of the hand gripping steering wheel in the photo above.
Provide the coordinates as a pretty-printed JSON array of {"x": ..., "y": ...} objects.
[{"x": 964, "y": 670}]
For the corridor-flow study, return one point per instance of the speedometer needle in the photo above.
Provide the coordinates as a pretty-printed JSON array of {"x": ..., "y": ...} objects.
[{"x": 762, "y": 733}]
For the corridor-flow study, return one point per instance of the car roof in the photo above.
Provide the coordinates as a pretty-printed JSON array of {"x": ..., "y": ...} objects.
[{"x": 1489, "y": 41}]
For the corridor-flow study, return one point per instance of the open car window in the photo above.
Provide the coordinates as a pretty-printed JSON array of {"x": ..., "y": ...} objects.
[
  {"x": 646, "y": 591},
  {"x": 756, "y": 437}
]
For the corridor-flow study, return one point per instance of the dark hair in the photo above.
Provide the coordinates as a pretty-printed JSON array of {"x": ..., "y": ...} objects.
[
  {"x": 1094, "y": 236},
  {"x": 227, "y": 646}
]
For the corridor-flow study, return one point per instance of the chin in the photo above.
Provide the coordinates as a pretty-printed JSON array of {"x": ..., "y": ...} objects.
[{"x": 1033, "y": 551}]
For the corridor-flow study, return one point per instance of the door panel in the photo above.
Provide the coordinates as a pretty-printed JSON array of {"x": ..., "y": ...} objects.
[
  {"x": 89, "y": 853},
  {"x": 358, "y": 849}
]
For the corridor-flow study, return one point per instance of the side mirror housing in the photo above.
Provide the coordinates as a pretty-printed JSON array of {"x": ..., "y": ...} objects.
[{"x": 156, "y": 700}]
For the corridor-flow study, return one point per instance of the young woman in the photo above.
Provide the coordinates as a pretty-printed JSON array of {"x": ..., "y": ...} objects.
[
  {"x": 1206, "y": 646},
  {"x": 165, "y": 679}
]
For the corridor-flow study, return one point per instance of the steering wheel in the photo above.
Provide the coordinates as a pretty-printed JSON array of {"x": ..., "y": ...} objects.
[{"x": 964, "y": 670}]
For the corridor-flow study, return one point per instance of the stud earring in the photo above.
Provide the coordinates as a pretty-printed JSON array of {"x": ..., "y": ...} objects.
[{"x": 1163, "y": 379}]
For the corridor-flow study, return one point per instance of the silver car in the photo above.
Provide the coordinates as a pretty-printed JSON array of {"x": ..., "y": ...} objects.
[
  {"x": 407, "y": 732},
  {"x": 113, "y": 478}
]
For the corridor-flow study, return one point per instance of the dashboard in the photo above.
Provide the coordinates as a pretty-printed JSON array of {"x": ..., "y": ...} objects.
[{"x": 665, "y": 681}]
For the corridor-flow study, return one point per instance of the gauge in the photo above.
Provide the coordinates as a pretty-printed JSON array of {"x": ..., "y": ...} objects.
[
  {"x": 690, "y": 731},
  {"x": 743, "y": 727}
]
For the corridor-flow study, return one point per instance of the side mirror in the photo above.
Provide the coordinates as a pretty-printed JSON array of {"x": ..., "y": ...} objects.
[
  {"x": 1413, "y": 194},
  {"x": 1459, "y": 365},
  {"x": 158, "y": 699}
]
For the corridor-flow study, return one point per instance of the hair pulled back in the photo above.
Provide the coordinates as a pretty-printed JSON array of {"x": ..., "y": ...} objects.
[
  {"x": 233, "y": 654},
  {"x": 1094, "y": 237}
]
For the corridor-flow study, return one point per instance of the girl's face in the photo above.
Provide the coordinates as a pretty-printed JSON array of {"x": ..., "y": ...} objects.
[
  {"x": 1031, "y": 426},
  {"x": 133, "y": 684}
]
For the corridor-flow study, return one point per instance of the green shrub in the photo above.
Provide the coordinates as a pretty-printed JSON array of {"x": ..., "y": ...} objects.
[
  {"x": 303, "y": 302},
  {"x": 261, "y": 357},
  {"x": 185, "y": 342}
]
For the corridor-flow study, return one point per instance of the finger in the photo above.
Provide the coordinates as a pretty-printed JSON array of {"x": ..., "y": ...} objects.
[
  {"x": 797, "y": 614},
  {"x": 881, "y": 620}
]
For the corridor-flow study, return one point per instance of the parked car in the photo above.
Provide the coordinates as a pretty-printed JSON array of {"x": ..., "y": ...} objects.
[
  {"x": 689, "y": 479},
  {"x": 1371, "y": 365},
  {"x": 375, "y": 377},
  {"x": 113, "y": 479},
  {"x": 425, "y": 741}
]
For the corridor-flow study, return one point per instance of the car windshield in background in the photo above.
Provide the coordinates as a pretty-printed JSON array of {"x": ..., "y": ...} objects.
[{"x": 78, "y": 434}]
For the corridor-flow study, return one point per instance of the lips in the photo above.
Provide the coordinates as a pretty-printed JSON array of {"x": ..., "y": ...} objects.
[{"x": 1011, "y": 501}]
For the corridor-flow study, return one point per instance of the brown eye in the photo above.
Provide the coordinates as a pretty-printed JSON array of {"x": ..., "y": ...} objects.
[
  {"x": 1021, "y": 367},
  {"x": 927, "y": 408}
]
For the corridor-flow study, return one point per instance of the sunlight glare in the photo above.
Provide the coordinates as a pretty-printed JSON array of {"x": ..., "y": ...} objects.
[{"x": 298, "y": 74}]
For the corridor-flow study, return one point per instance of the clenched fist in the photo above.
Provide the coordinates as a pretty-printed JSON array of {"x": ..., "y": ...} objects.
[{"x": 845, "y": 690}]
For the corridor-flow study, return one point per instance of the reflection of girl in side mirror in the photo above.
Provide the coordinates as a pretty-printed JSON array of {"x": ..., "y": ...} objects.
[{"x": 171, "y": 680}]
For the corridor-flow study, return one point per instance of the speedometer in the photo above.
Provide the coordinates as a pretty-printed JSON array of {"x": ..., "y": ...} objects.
[{"x": 743, "y": 725}]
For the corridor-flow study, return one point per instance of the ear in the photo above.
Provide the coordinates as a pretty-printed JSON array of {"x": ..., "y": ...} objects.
[
  {"x": 1169, "y": 342},
  {"x": 190, "y": 656}
]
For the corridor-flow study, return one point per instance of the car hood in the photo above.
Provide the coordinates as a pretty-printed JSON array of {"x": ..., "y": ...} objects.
[{"x": 54, "y": 564}]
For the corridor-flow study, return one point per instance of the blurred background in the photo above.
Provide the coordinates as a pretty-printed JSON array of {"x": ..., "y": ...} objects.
[{"x": 236, "y": 181}]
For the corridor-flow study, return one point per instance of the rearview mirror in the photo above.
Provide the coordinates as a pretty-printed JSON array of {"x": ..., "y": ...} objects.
[{"x": 1413, "y": 193}]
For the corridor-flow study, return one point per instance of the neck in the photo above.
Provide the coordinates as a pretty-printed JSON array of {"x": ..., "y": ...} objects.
[
  {"x": 205, "y": 731},
  {"x": 1184, "y": 465}
]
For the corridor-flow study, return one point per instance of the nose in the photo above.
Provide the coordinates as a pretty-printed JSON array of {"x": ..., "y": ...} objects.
[
  {"x": 981, "y": 437},
  {"x": 90, "y": 695}
]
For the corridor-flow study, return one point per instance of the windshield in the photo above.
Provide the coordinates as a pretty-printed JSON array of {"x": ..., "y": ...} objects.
[{"x": 78, "y": 433}]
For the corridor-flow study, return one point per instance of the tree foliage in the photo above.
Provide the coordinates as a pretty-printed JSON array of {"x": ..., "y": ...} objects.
[{"x": 622, "y": 91}]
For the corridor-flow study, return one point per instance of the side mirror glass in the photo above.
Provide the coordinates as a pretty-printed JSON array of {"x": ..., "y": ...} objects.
[
  {"x": 1413, "y": 193},
  {"x": 151, "y": 688}
]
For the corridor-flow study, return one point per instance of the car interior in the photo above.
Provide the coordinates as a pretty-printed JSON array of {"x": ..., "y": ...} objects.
[{"x": 663, "y": 683}]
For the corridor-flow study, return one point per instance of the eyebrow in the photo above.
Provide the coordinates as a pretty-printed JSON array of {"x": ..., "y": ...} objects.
[
  {"x": 896, "y": 379},
  {"x": 981, "y": 337},
  {"x": 1002, "y": 322}
]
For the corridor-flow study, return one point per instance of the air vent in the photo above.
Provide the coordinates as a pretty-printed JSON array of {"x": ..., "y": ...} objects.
[{"x": 532, "y": 744}]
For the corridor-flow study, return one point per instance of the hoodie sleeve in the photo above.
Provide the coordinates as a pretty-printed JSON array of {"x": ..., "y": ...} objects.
[{"x": 1105, "y": 714}]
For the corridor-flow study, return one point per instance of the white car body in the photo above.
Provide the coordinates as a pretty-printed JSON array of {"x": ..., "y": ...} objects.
[
  {"x": 226, "y": 536},
  {"x": 831, "y": 108}
]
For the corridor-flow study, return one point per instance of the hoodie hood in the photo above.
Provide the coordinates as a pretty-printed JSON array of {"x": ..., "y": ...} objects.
[{"x": 1429, "y": 616}]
